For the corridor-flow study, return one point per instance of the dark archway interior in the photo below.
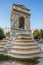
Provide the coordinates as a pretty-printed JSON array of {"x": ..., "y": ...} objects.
[{"x": 21, "y": 22}]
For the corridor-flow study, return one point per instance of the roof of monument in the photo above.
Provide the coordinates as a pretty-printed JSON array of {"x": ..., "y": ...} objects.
[{"x": 22, "y": 6}]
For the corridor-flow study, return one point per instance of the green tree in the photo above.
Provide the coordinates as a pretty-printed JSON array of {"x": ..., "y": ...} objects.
[
  {"x": 36, "y": 34},
  {"x": 1, "y": 34},
  {"x": 41, "y": 33}
]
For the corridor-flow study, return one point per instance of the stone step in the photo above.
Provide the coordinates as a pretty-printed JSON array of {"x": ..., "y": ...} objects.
[
  {"x": 24, "y": 44},
  {"x": 24, "y": 37},
  {"x": 1, "y": 52},
  {"x": 4, "y": 40},
  {"x": 2, "y": 44},
  {"x": 23, "y": 34},
  {"x": 1, "y": 49},
  {"x": 23, "y": 53},
  {"x": 24, "y": 40},
  {"x": 24, "y": 47},
  {"x": 24, "y": 56},
  {"x": 22, "y": 50},
  {"x": 32, "y": 48}
]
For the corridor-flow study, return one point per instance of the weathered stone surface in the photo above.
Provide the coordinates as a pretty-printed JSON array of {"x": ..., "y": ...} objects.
[{"x": 21, "y": 43}]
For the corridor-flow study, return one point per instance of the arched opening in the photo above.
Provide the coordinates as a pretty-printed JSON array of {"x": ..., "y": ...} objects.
[{"x": 21, "y": 22}]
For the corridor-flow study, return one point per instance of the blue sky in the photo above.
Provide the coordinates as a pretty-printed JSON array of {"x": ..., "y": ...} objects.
[{"x": 36, "y": 11}]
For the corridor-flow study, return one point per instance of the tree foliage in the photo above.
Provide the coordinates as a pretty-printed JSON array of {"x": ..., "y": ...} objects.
[
  {"x": 1, "y": 34},
  {"x": 41, "y": 33},
  {"x": 36, "y": 34}
]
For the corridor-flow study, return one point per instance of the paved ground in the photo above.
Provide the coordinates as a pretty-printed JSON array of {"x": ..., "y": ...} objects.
[
  {"x": 40, "y": 61},
  {"x": 8, "y": 63}
]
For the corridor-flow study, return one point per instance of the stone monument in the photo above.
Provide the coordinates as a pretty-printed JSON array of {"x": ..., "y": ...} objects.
[{"x": 21, "y": 43}]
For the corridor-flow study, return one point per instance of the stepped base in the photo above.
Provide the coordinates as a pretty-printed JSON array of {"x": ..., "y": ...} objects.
[
  {"x": 23, "y": 47},
  {"x": 2, "y": 44},
  {"x": 22, "y": 56}
]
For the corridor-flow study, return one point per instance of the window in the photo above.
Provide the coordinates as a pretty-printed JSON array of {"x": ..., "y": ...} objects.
[{"x": 21, "y": 22}]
